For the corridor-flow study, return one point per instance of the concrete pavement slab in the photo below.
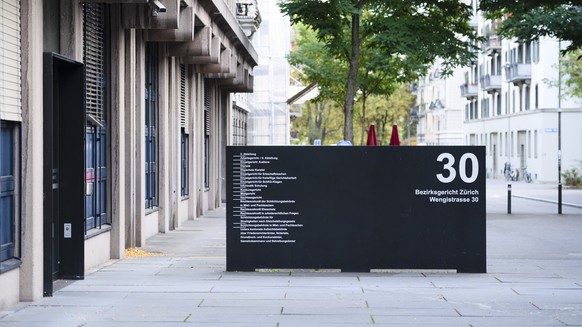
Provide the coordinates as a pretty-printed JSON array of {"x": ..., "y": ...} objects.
[{"x": 534, "y": 264}]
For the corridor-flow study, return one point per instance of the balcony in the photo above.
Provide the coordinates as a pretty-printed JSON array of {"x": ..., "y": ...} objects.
[
  {"x": 248, "y": 16},
  {"x": 518, "y": 73},
  {"x": 469, "y": 90},
  {"x": 490, "y": 83},
  {"x": 491, "y": 45}
]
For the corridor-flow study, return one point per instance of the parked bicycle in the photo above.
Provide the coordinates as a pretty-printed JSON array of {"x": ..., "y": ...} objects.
[
  {"x": 526, "y": 175},
  {"x": 507, "y": 171}
]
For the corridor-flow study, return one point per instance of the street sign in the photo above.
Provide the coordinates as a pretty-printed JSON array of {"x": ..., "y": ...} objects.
[{"x": 356, "y": 208}]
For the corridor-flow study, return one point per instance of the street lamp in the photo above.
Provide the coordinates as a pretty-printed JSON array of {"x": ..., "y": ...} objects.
[{"x": 559, "y": 127}]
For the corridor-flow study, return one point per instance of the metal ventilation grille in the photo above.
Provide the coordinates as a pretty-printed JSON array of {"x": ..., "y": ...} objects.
[
  {"x": 184, "y": 100},
  {"x": 94, "y": 60}
]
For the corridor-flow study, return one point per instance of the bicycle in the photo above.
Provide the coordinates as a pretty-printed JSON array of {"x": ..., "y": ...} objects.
[{"x": 526, "y": 175}]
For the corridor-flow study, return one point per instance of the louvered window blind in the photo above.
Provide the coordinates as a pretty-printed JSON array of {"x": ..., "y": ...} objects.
[
  {"x": 94, "y": 61},
  {"x": 10, "y": 61},
  {"x": 184, "y": 100}
]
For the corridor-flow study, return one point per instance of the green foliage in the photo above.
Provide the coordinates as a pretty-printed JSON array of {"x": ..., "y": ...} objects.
[
  {"x": 379, "y": 43},
  {"x": 315, "y": 63},
  {"x": 530, "y": 20},
  {"x": 571, "y": 70},
  {"x": 321, "y": 120},
  {"x": 384, "y": 111},
  {"x": 573, "y": 176}
]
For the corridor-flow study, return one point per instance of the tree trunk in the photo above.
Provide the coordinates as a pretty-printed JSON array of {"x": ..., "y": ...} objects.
[
  {"x": 363, "y": 121},
  {"x": 351, "y": 83}
]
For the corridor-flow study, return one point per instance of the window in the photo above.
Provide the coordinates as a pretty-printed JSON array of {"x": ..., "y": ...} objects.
[
  {"x": 511, "y": 145},
  {"x": 521, "y": 95},
  {"x": 528, "y": 54},
  {"x": 10, "y": 115},
  {"x": 9, "y": 190},
  {"x": 9, "y": 197},
  {"x": 94, "y": 50},
  {"x": 184, "y": 131},
  {"x": 151, "y": 143},
  {"x": 527, "y": 96},
  {"x": 535, "y": 145},
  {"x": 529, "y": 144},
  {"x": 506, "y": 145},
  {"x": 239, "y": 126},
  {"x": 536, "y": 97},
  {"x": 207, "y": 137},
  {"x": 506, "y": 102},
  {"x": 184, "y": 163}
]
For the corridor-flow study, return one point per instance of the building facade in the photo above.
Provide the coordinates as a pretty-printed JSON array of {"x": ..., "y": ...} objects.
[
  {"x": 511, "y": 102},
  {"x": 114, "y": 116},
  {"x": 269, "y": 122}
]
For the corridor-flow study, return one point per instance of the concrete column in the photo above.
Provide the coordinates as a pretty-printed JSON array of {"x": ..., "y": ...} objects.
[
  {"x": 214, "y": 191},
  {"x": 174, "y": 139},
  {"x": 31, "y": 271},
  {"x": 130, "y": 138},
  {"x": 199, "y": 154},
  {"x": 193, "y": 107},
  {"x": 71, "y": 31},
  {"x": 164, "y": 137},
  {"x": 225, "y": 123},
  {"x": 117, "y": 132},
  {"x": 139, "y": 154}
]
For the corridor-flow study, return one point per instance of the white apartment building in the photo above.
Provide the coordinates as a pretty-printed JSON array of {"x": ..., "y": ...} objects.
[
  {"x": 440, "y": 108},
  {"x": 509, "y": 106}
]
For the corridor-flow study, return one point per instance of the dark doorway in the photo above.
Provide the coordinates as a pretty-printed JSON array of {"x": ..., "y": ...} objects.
[{"x": 64, "y": 170}]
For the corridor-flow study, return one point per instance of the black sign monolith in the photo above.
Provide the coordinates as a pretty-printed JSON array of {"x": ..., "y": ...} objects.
[{"x": 356, "y": 208}]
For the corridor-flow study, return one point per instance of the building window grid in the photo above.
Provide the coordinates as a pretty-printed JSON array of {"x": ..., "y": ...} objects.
[
  {"x": 184, "y": 163},
  {"x": 94, "y": 49},
  {"x": 207, "y": 104},
  {"x": 529, "y": 144},
  {"x": 151, "y": 146},
  {"x": 535, "y": 143},
  {"x": 527, "y": 97},
  {"x": 239, "y": 126},
  {"x": 184, "y": 131},
  {"x": 9, "y": 183}
]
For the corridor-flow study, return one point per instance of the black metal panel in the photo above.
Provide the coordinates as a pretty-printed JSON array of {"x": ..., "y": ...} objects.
[
  {"x": 64, "y": 170},
  {"x": 356, "y": 208}
]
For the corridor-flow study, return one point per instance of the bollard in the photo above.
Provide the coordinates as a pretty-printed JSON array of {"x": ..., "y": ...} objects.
[{"x": 509, "y": 198}]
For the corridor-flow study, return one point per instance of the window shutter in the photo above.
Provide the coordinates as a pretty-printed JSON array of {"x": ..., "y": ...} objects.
[
  {"x": 94, "y": 61},
  {"x": 184, "y": 100},
  {"x": 206, "y": 112},
  {"x": 10, "y": 61}
]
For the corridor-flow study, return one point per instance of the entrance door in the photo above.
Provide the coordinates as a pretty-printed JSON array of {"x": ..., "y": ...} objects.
[{"x": 64, "y": 170}]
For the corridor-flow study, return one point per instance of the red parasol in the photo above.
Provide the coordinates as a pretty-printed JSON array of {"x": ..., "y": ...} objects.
[
  {"x": 394, "y": 139},
  {"x": 372, "y": 140}
]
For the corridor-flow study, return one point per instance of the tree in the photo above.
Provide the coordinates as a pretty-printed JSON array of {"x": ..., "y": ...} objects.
[
  {"x": 414, "y": 32},
  {"x": 387, "y": 110},
  {"x": 532, "y": 19},
  {"x": 320, "y": 120},
  {"x": 570, "y": 66}
]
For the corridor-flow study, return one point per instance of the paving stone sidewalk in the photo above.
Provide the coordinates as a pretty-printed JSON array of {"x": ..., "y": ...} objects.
[{"x": 534, "y": 278}]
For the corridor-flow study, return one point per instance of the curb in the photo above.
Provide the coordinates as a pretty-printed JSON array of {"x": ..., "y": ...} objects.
[{"x": 548, "y": 201}]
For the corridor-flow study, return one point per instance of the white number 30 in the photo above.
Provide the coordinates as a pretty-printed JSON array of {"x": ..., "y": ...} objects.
[{"x": 452, "y": 173}]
